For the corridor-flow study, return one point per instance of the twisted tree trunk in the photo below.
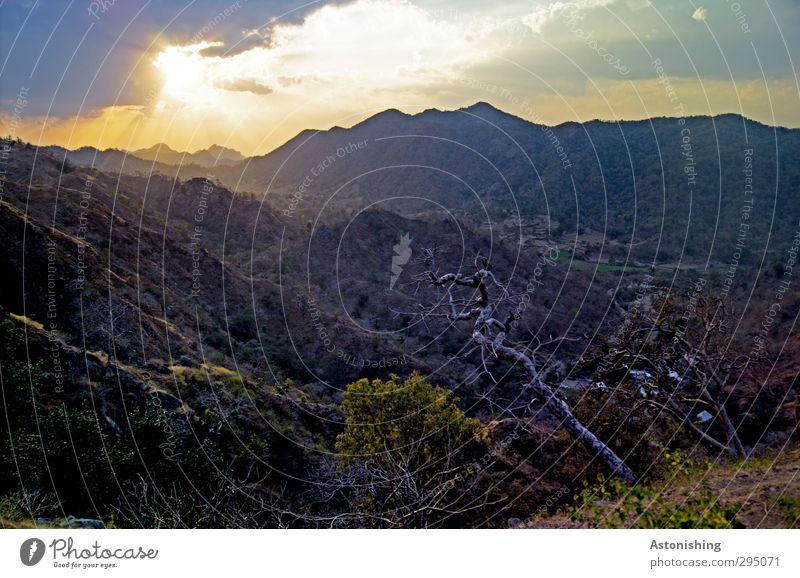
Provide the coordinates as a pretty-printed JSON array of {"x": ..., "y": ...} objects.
[
  {"x": 490, "y": 334},
  {"x": 560, "y": 409}
]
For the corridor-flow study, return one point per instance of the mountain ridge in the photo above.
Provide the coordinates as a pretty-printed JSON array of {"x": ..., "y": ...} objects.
[
  {"x": 221, "y": 308},
  {"x": 230, "y": 155}
]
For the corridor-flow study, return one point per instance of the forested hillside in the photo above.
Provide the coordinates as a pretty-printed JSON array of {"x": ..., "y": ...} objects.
[{"x": 500, "y": 292}]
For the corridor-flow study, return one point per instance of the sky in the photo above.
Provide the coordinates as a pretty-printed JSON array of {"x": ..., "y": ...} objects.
[{"x": 250, "y": 74}]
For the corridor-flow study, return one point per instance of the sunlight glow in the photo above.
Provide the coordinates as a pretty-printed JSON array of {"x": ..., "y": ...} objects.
[
  {"x": 340, "y": 63},
  {"x": 185, "y": 74}
]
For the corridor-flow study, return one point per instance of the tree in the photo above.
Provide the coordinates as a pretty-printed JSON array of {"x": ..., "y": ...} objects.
[
  {"x": 682, "y": 355},
  {"x": 403, "y": 448},
  {"x": 492, "y": 337},
  {"x": 413, "y": 418},
  {"x": 108, "y": 323}
]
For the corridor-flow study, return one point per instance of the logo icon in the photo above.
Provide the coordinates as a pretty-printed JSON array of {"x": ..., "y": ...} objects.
[
  {"x": 402, "y": 255},
  {"x": 31, "y": 552}
]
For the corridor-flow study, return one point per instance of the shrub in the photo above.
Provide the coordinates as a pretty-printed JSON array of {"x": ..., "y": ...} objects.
[
  {"x": 790, "y": 509},
  {"x": 403, "y": 450},
  {"x": 412, "y": 420},
  {"x": 612, "y": 504},
  {"x": 217, "y": 340},
  {"x": 242, "y": 327}
]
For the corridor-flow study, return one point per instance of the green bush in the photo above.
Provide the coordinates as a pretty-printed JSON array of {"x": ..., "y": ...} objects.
[
  {"x": 789, "y": 507},
  {"x": 242, "y": 327},
  {"x": 612, "y": 504},
  {"x": 217, "y": 339},
  {"x": 60, "y": 454},
  {"x": 404, "y": 450},
  {"x": 411, "y": 420}
]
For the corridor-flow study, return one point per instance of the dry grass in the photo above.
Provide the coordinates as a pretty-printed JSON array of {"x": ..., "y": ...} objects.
[{"x": 752, "y": 487}]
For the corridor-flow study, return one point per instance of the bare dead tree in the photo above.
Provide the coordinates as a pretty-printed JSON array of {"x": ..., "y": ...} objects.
[
  {"x": 389, "y": 492},
  {"x": 491, "y": 336},
  {"x": 108, "y": 323},
  {"x": 685, "y": 362},
  {"x": 226, "y": 503}
]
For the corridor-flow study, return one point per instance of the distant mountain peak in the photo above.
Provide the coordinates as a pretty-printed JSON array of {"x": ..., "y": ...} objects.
[
  {"x": 225, "y": 152},
  {"x": 485, "y": 110},
  {"x": 156, "y": 148},
  {"x": 393, "y": 112},
  {"x": 388, "y": 114},
  {"x": 482, "y": 106},
  {"x": 213, "y": 155}
]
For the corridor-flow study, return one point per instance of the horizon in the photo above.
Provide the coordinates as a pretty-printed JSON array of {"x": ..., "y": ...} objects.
[
  {"x": 411, "y": 115},
  {"x": 129, "y": 77}
]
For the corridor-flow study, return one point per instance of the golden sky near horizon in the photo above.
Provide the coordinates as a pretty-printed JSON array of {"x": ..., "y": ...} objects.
[{"x": 252, "y": 89}]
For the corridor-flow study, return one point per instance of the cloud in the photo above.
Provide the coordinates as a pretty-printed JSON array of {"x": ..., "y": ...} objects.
[
  {"x": 243, "y": 85},
  {"x": 337, "y": 65},
  {"x": 341, "y": 63},
  {"x": 354, "y": 51},
  {"x": 560, "y": 10},
  {"x": 700, "y": 14}
]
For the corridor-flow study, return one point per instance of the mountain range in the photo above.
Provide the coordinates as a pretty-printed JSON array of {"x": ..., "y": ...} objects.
[
  {"x": 220, "y": 311},
  {"x": 158, "y": 157},
  {"x": 665, "y": 190}
]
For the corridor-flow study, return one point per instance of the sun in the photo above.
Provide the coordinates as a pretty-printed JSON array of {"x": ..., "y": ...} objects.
[{"x": 185, "y": 74}]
